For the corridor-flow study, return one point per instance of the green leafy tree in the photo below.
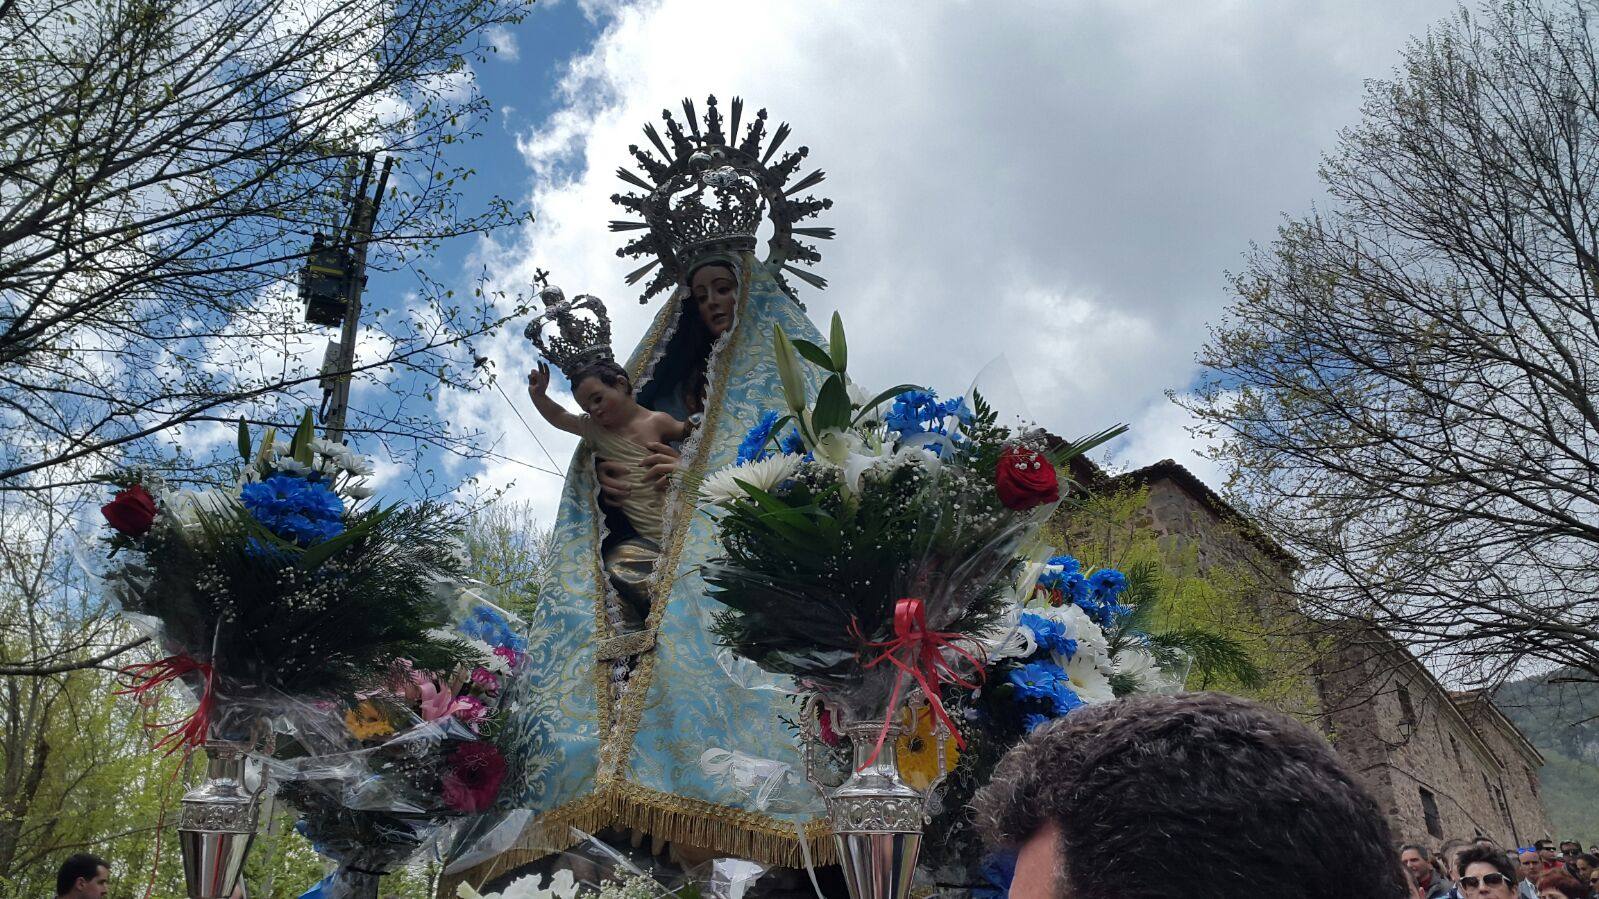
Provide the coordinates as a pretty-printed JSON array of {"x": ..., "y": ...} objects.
[{"x": 1404, "y": 385}]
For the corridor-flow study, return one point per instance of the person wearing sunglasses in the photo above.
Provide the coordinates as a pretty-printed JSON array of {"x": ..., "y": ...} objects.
[{"x": 1485, "y": 873}]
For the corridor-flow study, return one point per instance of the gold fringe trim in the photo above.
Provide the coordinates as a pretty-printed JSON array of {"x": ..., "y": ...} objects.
[
  {"x": 692, "y": 822},
  {"x": 625, "y": 645}
]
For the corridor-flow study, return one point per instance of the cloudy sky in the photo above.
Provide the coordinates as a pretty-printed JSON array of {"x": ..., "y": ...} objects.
[{"x": 1062, "y": 184}]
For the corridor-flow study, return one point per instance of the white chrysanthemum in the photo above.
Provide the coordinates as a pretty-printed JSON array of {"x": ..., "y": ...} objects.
[
  {"x": 1078, "y": 626},
  {"x": 359, "y": 491},
  {"x": 1142, "y": 667},
  {"x": 722, "y": 487},
  {"x": 1089, "y": 682}
]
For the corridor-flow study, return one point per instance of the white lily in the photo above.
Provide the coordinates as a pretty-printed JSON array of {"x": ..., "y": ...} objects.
[
  {"x": 188, "y": 505},
  {"x": 1008, "y": 638},
  {"x": 563, "y": 885},
  {"x": 290, "y": 465},
  {"x": 722, "y": 487},
  {"x": 834, "y": 446}
]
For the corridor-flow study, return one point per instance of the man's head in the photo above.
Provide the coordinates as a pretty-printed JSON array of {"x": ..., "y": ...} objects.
[
  {"x": 1149, "y": 795},
  {"x": 1418, "y": 862},
  {"x": 1571, "y": 849},
  {"x": 83, "y": 876},
  {"x": 1546, "y": 850},
  {"x": 1448, "y": 852}
]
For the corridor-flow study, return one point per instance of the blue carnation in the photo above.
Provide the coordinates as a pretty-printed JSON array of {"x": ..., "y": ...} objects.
[
  {"x": 917, "y": 412},
  {"x": 304, "y": 511},
  {"x": 1033, "y": 721},
  {"x": 1108, "y": 584},
  {"x": 792, "y": 444},
  {"x": 1065, "y": 563},
  {"x": 753, "y": 447},
  {"x": 487, "y": 625},
  {"x": 1064, "y": 698}
]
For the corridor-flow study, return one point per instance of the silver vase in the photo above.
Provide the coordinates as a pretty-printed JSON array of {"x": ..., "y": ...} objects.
[
  {"x": 217, "y": 824},
  {"x": 877, "y": 818}
]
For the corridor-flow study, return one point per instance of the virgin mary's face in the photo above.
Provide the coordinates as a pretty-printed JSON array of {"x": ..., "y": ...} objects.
[{"x": 715, "y": 293}]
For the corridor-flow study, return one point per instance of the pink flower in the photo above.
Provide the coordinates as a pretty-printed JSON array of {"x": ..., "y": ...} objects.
[
  {"x": 433, "y": 701},
  {"x": 469, "y": 710},
  {"x": 473, "y": 780},
  {"x": 485, "y": 680},
  {"x": 511, "y": 656}
]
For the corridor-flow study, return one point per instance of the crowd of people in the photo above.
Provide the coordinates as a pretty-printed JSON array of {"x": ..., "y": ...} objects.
[{"x": 1539, "y": 871}]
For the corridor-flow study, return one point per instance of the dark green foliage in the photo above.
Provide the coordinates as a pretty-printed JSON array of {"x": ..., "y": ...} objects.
[
  {"x": 325, "y": 619},
  {"x": 1210, "y": 653}
]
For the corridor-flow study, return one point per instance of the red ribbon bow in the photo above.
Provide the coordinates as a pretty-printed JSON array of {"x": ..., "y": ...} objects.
[
  {"x": 187, "y": 733},
  {"x": 919, "y": 653}
]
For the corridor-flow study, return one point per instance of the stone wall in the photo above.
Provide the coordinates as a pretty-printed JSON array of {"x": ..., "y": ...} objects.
[{"x": 1439, "y": 773}]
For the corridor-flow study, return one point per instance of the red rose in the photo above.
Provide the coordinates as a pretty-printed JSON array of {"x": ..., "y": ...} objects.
[
  {"x": 1024, "y": 479},
  {"x": 473, "y": 780},
  {"x": 130, "y": 511}
]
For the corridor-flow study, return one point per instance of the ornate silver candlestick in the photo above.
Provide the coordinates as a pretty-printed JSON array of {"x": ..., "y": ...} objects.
[
  {"x": 877, "y": 818},
  {"x": 217, "y": 823}
]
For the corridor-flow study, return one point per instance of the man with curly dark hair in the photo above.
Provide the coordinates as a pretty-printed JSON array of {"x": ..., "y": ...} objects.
[{"x": 1194, "y": 795}]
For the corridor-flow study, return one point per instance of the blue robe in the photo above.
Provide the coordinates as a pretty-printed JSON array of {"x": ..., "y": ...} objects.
[{"x": 586, "y": 754}]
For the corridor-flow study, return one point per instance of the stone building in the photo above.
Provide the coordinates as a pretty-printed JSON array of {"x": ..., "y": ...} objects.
[{"x": 1441, "y": 765}]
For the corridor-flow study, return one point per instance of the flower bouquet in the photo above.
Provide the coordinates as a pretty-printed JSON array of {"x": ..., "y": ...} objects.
[
  {"x": 419, "y": 755},
  {"x": 271, "y": 599},
  {"x": 1070, "y": 638},
  {"x": 865, "y": 549}
]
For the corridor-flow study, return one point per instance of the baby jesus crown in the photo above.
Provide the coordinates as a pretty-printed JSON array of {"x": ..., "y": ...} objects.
[{"x": 571, "y": 334}]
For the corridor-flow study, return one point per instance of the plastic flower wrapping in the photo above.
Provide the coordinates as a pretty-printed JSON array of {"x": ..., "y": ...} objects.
[
  {"x": 412, "y": 764},
  {"x": 338, "y": 639},
  {"x": 866, "y": 543},
  {"x": 593, "y": 867}
]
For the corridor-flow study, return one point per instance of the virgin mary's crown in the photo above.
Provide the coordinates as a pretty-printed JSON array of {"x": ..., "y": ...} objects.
[{"x": 710, "y": 196}]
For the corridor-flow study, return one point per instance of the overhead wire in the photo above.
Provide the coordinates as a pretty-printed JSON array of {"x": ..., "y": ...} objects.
[{"x": 560, "y": 472}]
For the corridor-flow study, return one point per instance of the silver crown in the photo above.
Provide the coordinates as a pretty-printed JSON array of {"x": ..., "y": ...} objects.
[
  {"x": 571, "y": 334},
  {"x": 710, "y": 195}
]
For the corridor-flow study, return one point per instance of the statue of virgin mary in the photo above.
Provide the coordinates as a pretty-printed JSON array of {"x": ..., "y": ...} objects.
[{"x": 628, "y": 720}]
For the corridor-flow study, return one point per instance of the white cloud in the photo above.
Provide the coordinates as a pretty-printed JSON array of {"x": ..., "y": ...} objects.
[
  {"x": 1061, "y": 183},
  {"x": 503, "y": 40}
]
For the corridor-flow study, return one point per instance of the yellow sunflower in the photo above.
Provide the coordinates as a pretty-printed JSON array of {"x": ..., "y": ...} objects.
[
  {"x": 367, "y": 721},
  {"x": 918, "y": 753}
]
